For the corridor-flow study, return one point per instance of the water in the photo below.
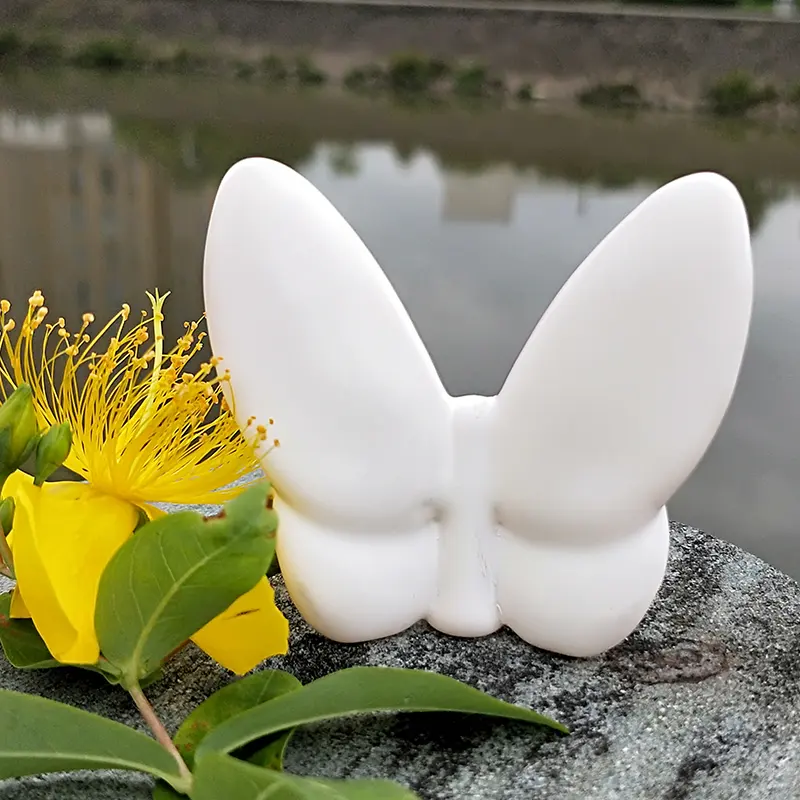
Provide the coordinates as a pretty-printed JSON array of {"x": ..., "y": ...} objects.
[{"x": 478, "y": 218}]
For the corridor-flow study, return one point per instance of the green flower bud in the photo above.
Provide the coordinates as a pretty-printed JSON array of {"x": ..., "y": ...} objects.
[
  {"x": 7, "y": 508},
  {"x": 18, "y": 430},
  {"x": 51, "y": 451}
]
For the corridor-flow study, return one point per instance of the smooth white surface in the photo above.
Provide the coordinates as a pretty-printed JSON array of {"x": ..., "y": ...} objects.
[{"x": 542, "y": 508}]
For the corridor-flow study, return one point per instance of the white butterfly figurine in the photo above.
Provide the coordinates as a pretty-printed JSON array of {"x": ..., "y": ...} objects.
[{"x": 542, "y": 508}]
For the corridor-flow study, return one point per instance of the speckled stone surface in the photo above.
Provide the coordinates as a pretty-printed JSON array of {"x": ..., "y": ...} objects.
[{"x": 702, "y": 702}]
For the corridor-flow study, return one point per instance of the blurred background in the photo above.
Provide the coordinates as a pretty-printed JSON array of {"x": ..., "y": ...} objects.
[{"x": 477, "y": 214}]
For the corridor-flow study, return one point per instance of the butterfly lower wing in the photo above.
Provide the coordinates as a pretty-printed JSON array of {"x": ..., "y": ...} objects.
[
  {"x": 315, "y": 337},
  {"x": 609, "y": 407},
  {"x": 375, "y": 583}
]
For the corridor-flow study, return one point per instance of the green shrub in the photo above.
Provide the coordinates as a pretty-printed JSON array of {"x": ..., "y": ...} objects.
[
  {"x": 109, "y": 55},
  {"x": 769, "y": 94},
  {"x": 612, "y": 95},
  {"x": 525, "y": 93},
  {"x": 794, "y": 94},
  {"x": 364, "y": 79},
  {"x": 11, "y": 45},
  {"x": 736, "y": 94},
  {"x": 307, "y": 72},
  {"x": 44, "y": 51},
  {"x": 244, "y": 70},
  {"x": 438, "y": 68},
  {"x": 186, "y": 61},
  {"x": 714, "y": 3},
  {"x": 411, "y": 73},
  {"x": 474, "y": 80},
  {"x": 274, "y": 69}
]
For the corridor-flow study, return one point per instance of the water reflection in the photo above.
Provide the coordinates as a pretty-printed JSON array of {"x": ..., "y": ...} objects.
[
  {"x": 96, "y": 207},
  {"x": 91, "y": 222}
]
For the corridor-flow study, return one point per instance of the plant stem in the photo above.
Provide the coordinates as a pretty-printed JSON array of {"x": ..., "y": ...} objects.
[
  {"x": 6, "y": 559},
  {"x": 159, "y": 731}
]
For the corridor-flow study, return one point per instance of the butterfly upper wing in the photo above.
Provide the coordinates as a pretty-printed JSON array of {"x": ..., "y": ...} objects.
[
  {"x": 315, "y": 337},
  {"x": 609, "y": 407}
]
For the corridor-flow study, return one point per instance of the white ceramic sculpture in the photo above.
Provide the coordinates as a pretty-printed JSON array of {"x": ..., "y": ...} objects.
[{"x": 542, "y": 508}]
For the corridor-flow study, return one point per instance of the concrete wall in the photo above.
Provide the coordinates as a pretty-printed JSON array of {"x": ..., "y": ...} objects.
[{"x": 559, "y": 43}]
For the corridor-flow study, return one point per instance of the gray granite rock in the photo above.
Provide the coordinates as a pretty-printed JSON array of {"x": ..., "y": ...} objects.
[{"x": 701, "y": 702}]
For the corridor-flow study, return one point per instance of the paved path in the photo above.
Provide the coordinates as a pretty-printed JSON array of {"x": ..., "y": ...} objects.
[{"x": 618, "y": 9}]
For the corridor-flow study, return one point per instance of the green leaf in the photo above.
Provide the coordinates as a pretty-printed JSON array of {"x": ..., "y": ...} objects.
[
  {"x": 218, "y": 776},
  {"x": 365, "y": 789},
  {"x": 361, "y": 689},
  {"x": 233, "y": 699},
  {"x": 23, "y": 646},
  {"x": 268, "y": 752},
  {"x": 163, "y": 791},
  {"x": 175, "y": 575},
  {"x": 39, "y": 735},
  {"x": 25, "y": 649}
]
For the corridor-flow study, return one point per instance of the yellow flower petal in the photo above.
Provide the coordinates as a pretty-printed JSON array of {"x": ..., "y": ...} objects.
[
  {"x": 18, "y": 608},
  {"x": 64, "y": 535},
  {"x": 152, "y": 511},
  {"x": 16, "y": 481},
  {"x": 249, "y": 631}
]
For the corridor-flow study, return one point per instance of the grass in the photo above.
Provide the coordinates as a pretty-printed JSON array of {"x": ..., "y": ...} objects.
[
  {"x": 273, "y": 69},
  {"x": 125, "y": 54},
  {"x": 736, "y": 94},
  {"x": 525, "y": 94},
  {"x": 244, "y": 70},
  {"x": 474, "y": 81},
  {"x": 184, "y": 61},
  {"x": 369, "y": 78},
  {"x": 45, "y": 51},
  {"x": 307, "y": 73},
  {"x": 413, "y": 74},
  {"x": 110, "y": 55},
  {"x": 11, "y": 45},
  {"x": 410, "y": 76},
  {"x": 612, "y": 96}
]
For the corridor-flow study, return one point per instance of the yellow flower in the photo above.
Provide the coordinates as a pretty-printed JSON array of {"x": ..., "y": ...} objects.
[{"x": 144, "y": 431}]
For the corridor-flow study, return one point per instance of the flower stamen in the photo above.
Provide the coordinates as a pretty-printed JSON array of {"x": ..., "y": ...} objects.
[{"x": 144, "y": 429}]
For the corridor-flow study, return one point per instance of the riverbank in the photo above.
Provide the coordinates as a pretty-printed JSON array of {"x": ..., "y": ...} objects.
[
  {"x": 170, "y": 139},
  {"x": 730, "y": 62},
  {"x": 155, "y": 114}
]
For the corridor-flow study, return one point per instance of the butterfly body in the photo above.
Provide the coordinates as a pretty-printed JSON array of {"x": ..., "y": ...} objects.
[
  {"x": 542, "y": 508},
  {"x": 465, "y": 602}
]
